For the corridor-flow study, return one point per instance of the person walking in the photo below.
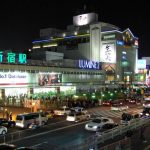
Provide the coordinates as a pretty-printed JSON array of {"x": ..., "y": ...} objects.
[
  {"x": 10, "y": 116},
  {"x": 7, "y": 115}
]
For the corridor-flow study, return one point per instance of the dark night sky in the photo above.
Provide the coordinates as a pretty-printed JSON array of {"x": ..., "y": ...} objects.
[{"x": 21, "y": 20}]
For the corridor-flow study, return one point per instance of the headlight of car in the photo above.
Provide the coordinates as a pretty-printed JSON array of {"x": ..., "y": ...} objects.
[
  {"x": 86, "y": 125},
  {"x": 141, "y": 113},
  {"x": 147, "y": 114},
  {"x": 95, "y": 127}
]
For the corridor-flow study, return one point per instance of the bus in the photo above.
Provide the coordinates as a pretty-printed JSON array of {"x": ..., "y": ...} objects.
[{"x": 25, "y": 120}]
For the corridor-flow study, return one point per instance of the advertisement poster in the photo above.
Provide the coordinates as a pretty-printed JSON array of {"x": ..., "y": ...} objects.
[
  {"x": 47, "y": 79},
  {"x": 108, "y": 52},
  {"x": 14, "y": 79}
]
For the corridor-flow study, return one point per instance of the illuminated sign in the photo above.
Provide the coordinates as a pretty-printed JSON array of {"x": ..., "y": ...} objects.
[
  {"x": 141, "y": 64},
  {"x": 108, "y": 52},
  {"x": 84, "y": 19},
  {"x": 87, "y": 64},
  {"x": 47, "y": 79},
  {"x": 120, "y": 43},
  {"x": 112, "y": 36},
  {"x": 14, "y": 79},
  {"x": 11, "y": 57},
  {"x": 136, "y": 43},
  {"x": 128, "y": 38}
]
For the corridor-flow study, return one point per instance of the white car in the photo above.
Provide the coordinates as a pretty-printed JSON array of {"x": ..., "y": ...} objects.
[
  {"x": 78, "y": 116},
  {"x": 118, "y": 107},
  {"x": 62, "y": 111},
  {"x": 106, "y": 128},
  {"x": 97, "y": 123},
  {"x": 78, "y": 109},
  {"x": 3, "y": 130}
]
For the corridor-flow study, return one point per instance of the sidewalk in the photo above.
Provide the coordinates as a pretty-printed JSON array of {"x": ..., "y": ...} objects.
[{"x": 14, "y": 110}]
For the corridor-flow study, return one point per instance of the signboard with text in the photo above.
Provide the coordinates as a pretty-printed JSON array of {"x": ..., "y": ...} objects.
[
  {"x": 26, "y": 79},
  {"x": 14, "y": 78},
  {"x": 87, "y": 64},
  {"x": 141, "y": 64},
  {"x": 108, "y": 52},
  {"x": 84, "y": 19},
  {"x": 11, "y": 58}
]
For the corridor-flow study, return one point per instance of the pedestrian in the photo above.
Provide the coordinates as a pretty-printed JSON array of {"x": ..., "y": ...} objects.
[
  {"x": 7, "y": 115},
  {"x": 10, "y": 116}
]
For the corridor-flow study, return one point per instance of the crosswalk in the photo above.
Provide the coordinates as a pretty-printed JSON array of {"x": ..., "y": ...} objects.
[{"x": 111, "y": 113}]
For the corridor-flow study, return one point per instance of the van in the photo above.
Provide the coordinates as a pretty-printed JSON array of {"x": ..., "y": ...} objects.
[{"x": 78, "y": 116}]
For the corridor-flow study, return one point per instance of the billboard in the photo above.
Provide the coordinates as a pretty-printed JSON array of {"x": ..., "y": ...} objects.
[
  {"x": 47, "y": 79},
  {"x": 88, "y": 64},
  {"x": 128, "y": 38},
  {"x": 108, "y": 52},
  {"x": 84, "y": 19},
  {"x": 141, "y": 64},
  {"x": 14, "y": 79}
]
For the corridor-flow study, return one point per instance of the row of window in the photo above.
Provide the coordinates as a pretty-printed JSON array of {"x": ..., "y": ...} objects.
[{"x": 63, "y": 72}]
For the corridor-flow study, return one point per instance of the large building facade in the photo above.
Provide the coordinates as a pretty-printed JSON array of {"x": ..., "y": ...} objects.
[
  {"x": 89, "y": 39},
  {"x": 88, "y": 55}
]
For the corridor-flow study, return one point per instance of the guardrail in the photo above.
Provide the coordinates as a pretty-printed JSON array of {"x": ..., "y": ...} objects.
[
  {"x": 124, "y": 144},
  {"x": 110, "y": 134}
]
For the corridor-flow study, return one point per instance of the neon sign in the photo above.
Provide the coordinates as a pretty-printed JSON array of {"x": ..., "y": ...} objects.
[
  {"x": 87, "y": 64},
  {"x": 11, "y": 57},
  {"x": 120, "y": 43}
]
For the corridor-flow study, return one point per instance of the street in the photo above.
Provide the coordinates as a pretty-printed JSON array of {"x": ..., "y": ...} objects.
[{"x": 61, "y": 133}]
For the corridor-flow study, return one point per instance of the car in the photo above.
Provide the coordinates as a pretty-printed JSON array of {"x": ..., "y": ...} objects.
[
  {"x": 3, "y": 130},
  {"x": 132, "y": 101},
  {"x": 97, "y": 123},
  {"x": 106, "y": 127},
  {"x": 106, "y": 103},
  {"x": 145, "y": 112},
  {"x": 119, "y": 106},
  {"x": 7, "y": 123},
  {"x": 62, "y": 111},
  {"x": 78, "y": 109},
  {"x": 128, "y": 118},
  {"x": 78, "y": 116}
]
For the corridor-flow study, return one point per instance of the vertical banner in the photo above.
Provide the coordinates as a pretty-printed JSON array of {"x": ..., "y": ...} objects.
[{"x": 108, "y": 52}]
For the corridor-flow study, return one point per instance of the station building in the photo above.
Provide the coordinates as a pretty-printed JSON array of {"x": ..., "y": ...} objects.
[
  {"x": 88, "y": 55},
  {"x": 89, "y": 39}
]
